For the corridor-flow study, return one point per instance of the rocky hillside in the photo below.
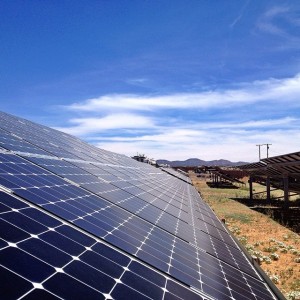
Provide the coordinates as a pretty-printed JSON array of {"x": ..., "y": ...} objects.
[{"x": 194, "y": 162}]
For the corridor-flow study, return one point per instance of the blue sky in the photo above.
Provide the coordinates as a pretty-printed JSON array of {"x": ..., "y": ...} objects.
[{"x": 171, "y": 79}]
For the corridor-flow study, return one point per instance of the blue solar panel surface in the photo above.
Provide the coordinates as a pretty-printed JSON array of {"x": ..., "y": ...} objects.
[{"x": 77, "y": 220}]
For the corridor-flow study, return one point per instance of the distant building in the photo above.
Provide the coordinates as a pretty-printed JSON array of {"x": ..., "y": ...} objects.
[
  {"x": 139, "y": 157},
  {"x": 144, "y": 159}
]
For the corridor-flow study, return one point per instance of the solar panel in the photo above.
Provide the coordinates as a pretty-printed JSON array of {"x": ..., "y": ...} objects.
[
  {"x": 99, "y": 224},
  {"x": 287, "y": 164},
  {"x": 42, "y": 256}
]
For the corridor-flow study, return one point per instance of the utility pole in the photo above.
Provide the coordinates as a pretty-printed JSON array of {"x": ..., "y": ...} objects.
[
  {"x": 259, "y": 150},
  {"x": 268, "y": 146}
]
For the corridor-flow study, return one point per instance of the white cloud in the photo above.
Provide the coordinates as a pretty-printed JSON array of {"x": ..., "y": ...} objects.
[
  {"x": 143, "y": 123},
  {"x": 137, "y": 81},
  {"x": 267, "y": 22},
  {"x": 283, "y": 22},
  {"x": 239, "y": 17},
  {"x": 232, "y": 145},
  {"x": 84, "y": 126},
  {"x": 214, "y": 141},
  {"x": 275, "y": 11},
  {"x": 288, "y": 121},
  {"x": 285, "y": 90},
  {"x": 167, "y": 136}
]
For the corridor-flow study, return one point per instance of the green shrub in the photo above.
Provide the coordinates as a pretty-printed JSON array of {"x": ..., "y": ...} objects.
[
  {"x": 293, "y": 295},
  {"x": 243, "y": 240},
  {"x": 270, "y": 249},
  {"x": 267, "y": 259},
  {"x": 275, "y": 278},
  {"x": 274, "y": 256}
]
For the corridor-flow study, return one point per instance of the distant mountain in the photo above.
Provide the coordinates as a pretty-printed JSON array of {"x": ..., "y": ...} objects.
[{"x": 195, "y": 162}]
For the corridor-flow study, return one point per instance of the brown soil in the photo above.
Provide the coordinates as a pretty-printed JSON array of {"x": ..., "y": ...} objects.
[{"x": 277, "y": 247}]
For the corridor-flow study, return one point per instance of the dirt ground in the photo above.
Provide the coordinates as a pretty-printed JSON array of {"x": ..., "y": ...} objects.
[{"x": 277, "y": 247}]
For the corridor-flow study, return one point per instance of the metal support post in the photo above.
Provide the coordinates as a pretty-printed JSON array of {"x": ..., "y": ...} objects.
[
  {"x": 250, "y": 189},
  {"x": 286, "y": 192},
  {"x": 268, "y": 190}
]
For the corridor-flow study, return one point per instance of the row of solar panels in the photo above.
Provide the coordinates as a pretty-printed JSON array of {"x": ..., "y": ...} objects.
[
  {"x": 277, "y": 166},
  {"x": 78, "y": 221}
]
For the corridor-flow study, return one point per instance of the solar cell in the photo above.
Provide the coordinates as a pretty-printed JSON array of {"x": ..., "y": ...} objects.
[
  {"x": 99, "y": 224},
  {"x": 93, "y": 184},
  {"x": 60, "y": 261},
  {"x": 16, "y": 144},
  {"x": 56, "y": 191}
]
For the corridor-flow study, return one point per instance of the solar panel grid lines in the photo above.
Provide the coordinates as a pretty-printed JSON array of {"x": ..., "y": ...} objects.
[
  {"x": 195, "y": 239},
  {"x": 221, "y": 235},
  {"x": 18, "y": 145},
  {"x": 53, "y": 169},
  {"x": 233, "y": 257},
  {"x": 132, "y": 208},
  {"x": 55, "y": 208},
  {"x": 37, "y": 134},
  {"x": 64, "y": 253}
]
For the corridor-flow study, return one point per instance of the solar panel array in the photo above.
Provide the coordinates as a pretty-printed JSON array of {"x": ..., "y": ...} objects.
[
  {"x": 81, "y": 222},
  {"x": 282, "y": 165},
  {"x": 287, "y": 164},
  {"x": 276, "y": 168}
]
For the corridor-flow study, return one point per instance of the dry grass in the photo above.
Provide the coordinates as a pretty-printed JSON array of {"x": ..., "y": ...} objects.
[{"x": 277, "y": 247}]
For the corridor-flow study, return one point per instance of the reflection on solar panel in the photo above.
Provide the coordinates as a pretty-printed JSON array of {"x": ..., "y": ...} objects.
[
  {"x": 183, "y": 176},
  {"x": 80, "y": 222}
]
